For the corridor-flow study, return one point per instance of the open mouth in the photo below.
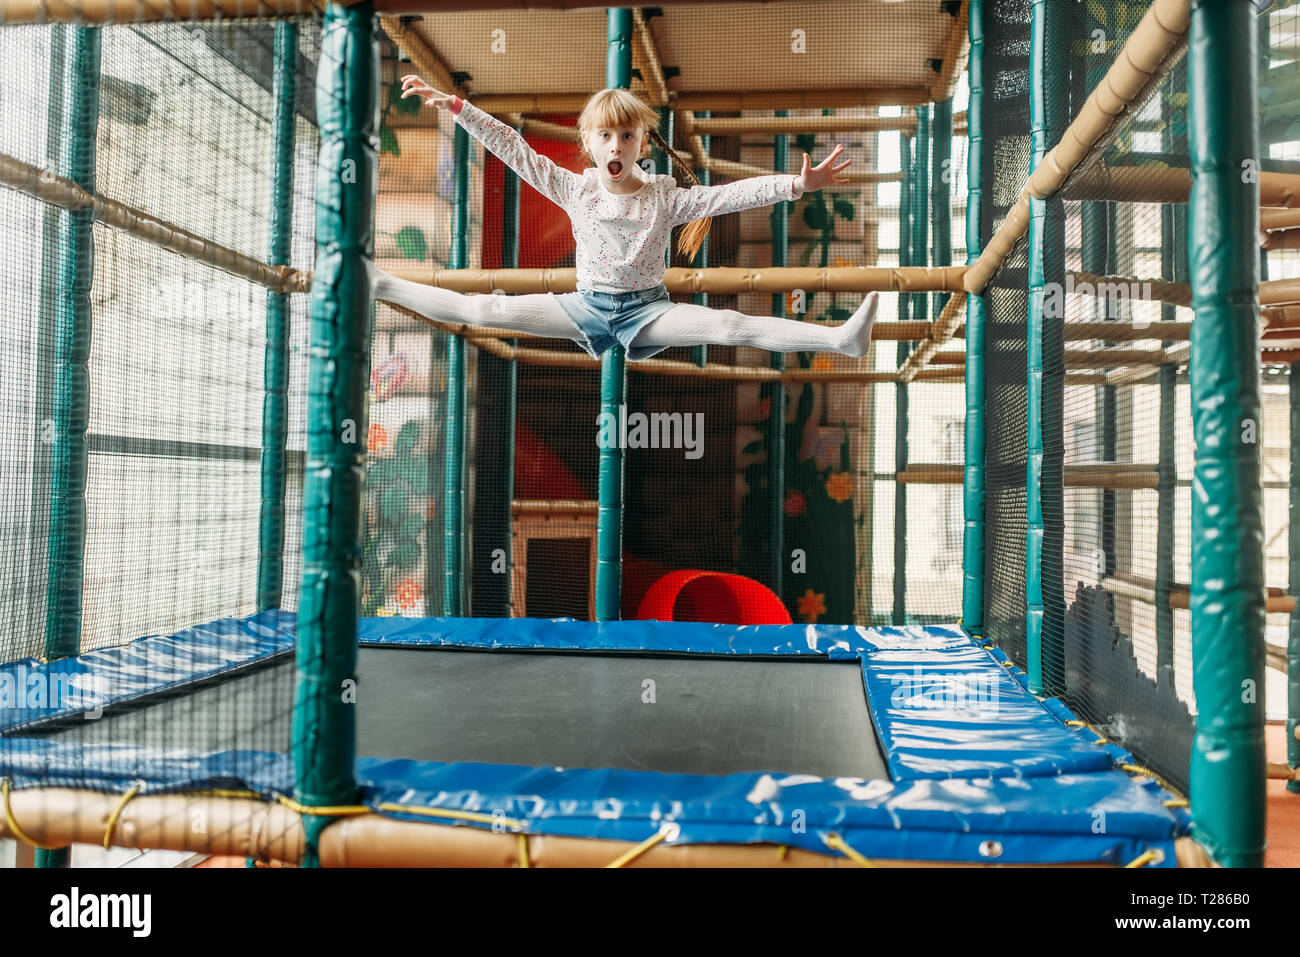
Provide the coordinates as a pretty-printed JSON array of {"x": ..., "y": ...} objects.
[{"x": 615, "y": 168}]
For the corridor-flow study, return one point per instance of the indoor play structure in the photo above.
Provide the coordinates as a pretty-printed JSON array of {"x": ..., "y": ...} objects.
[{"x": 300, "y": 578}]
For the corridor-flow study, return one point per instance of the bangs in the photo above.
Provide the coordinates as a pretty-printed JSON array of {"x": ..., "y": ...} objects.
[{"x": 612, "y": 109}]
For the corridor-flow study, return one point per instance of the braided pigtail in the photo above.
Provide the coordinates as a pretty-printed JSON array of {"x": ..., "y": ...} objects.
[{"x": 690, "y": 239}]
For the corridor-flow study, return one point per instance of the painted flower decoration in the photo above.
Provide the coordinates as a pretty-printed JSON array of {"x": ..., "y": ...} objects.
[
  {"x": 406, "y": 595},
  {"x": 822, "y": 363},
  {"x": 812, "y": 605},
  {"x": 795, "y": 503},
  {"x": 376, "y": 438},
  {"x": 839, "y": 486}
]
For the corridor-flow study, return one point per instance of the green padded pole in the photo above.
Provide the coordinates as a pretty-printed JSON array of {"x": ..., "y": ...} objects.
[
  {"x": 613, "y": 382},
  {"x": 275, "y": 399},
  {"x": 1227, "y": 590},
  {"x": 70, "y": 409},
  {"x": 324, "y": 716},
  {"x": 919, "y": 222},
  {"x": 1173, "y": 260},
  {"x": 776, "y": 390},
  {"x": 941, "y": 194},
  {"x": 453, "y": 484},
  {"x": 905, "y": 189},
  {"x": 700, "y": 354},
  {"x": 973, "y": 489},
  {"x": 1293, "y": 550},
  {"x": 74, "y": 107},
  {"x": 1044, "y": 545},
  {"x": 509, "y": 260}
]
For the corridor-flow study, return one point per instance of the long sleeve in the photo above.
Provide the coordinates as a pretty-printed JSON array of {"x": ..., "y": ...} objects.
[
  {"x": 551, "y": 180},
  {"x": 697, "y": 202}
]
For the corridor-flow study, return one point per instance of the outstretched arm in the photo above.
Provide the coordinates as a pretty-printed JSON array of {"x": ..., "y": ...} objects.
[
  {"x": 551, "y": 180},
  {"x": 701, "y": 201}
]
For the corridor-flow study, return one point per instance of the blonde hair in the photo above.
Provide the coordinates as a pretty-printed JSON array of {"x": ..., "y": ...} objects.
[{"x": 615, "y": 108}]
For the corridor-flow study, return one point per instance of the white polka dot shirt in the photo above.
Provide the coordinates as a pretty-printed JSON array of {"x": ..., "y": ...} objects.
[{"x": 622, "y": 241}]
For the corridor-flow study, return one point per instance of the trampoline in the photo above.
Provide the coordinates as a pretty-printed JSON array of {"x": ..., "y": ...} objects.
[{"x": 845, "y": 743}]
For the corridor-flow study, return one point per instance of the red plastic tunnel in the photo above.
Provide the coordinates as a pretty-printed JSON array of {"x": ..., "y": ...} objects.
[{"x": 694, "y": 595}]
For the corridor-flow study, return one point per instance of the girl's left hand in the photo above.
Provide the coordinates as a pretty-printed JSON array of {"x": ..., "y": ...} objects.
[{"x": 824, "y": 173}]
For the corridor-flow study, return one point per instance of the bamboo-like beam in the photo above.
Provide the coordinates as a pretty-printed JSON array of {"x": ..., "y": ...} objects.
[
  {"x": 1271, "y": 219},
  {"x": 243, "y": 827},
  {"x": 1080, "y": 475},
  {"x": 1280, "y": 318},
  {"x": 266, "y": 831},
  {"x": 1168, "y": 184},
  {"x": 422, "y": 58},
  {"x": 1174, "y": 293},
  {"x": 955, "y": 54},
  {"x": 724, "y": 101},
  {"x": 652, "y": 71},
  {"x": 942, "y": 330},
  {"x": 1148, "y": 53},
  {"x": 1282, "y": 239},
  {"x": 715, "y": 279},
  {"x": 1113, "y": 331},
  {"x": 881, "y": 332},
  {"x": 57, "y": 191},
  {"x": 1088, "y": 358},
  {"x": 1142, "y": 589},
  {"x": 1279, "y": 292},
  {"x": 17, "y": 12},
  {"x": 736, "y": 170},
  {"x": 793, "y": 125}
]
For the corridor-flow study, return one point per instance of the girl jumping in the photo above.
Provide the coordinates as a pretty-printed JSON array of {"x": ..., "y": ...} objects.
[{"x": 622, "y": 218}]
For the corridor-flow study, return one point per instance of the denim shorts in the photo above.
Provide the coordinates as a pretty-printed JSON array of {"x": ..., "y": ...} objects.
[{"x": 608, "y": 319}]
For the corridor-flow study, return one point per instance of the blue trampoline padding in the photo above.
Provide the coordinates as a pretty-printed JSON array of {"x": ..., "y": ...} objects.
[
  {"x": 973, "y": 756},
  {"x": 1106, "y": 818},
  {"x": 34, "y": 690}
]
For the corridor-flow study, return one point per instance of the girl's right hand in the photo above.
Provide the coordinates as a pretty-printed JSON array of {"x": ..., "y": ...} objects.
[{"x": 412, "y": 85}]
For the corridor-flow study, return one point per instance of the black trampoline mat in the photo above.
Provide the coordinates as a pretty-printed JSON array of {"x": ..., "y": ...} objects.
[{"x": 708, "y": 715}]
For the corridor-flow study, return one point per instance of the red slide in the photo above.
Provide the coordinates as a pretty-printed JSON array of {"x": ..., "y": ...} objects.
[{"x": 694, "y": 595}]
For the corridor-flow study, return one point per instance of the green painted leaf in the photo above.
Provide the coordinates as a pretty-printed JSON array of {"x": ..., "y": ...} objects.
[
  {"x": 844, "y": 208},
  {"x": 388, "y": 141},
  {"x": 393, "y": 504},
  {"x": 407, "y": 437},
  {"x": 412, "y": 244}
]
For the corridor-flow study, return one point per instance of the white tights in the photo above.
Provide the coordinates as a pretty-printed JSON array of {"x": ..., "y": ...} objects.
[{"x": 682, "y": 325}]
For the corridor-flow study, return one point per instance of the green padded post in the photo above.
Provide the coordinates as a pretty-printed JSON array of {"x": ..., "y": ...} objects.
[
  {"x": 70, "y": 410},
  {"x": 1044, "y": 545},
  {"x": 613, "y": 382},
  {"x": 776, "y": 390},
  {"x": 453, "y": 476},
  {"x": 275, "y": 400},
  {"x": 905, "y": 189},
  {"x": 1293, "y": 550},
  {"x": 324, "y": 716},
  {"x": 700, "y": 354},
  {"x": 919, "y": 223},
  {"x": 1173, "y": 267},
  {"x": 65, "y": 332},
  {"x": 1227, "y": 590},
  {"x": 973, "y": 489},
  {"x": 941, "y": 194}
]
